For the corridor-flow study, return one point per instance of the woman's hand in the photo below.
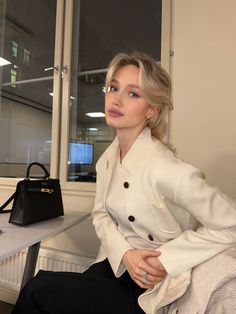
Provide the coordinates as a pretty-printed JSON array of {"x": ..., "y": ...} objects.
[{"x": 144, "y": 267}]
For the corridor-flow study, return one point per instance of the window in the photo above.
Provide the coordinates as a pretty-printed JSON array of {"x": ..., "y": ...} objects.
[
  {"x": 25, "y": 103},
  {"x": 100, "y": 30},
  {"x": 37, "y": 78},
  {"x": 26, "y": 57},
  {"x": 13, "y": 77},
  {"x": 14, "y": 49}
]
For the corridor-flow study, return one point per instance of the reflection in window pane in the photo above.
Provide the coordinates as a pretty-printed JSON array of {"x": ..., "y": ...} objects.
[
  {"x": 14, "y": 49},
  {"x": 26, "y": 57},
  {"x": 100, "y": 30},
  {"x": 27, "y": 42},
  {"x": 13, "y": 77}
]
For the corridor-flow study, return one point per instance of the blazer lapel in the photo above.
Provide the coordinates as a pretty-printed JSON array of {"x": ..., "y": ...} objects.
[{"x": 111, "y": 157}]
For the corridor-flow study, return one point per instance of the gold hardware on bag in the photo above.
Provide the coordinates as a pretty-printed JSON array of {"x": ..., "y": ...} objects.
[{"x": 50, "y": 191}]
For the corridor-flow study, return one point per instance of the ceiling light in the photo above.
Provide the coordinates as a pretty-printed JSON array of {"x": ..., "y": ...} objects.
[
  {"x": 4, "y": 61},
  {"x": 93, "y": 129},
  {"x": 95, "y": 114}
]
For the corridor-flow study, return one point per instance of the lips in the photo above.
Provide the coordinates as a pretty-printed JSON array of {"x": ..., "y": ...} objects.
[{"x": 114, "y": 113}]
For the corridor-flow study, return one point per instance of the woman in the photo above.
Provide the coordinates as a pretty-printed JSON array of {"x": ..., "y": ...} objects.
[{"x": 155, "y": 215}]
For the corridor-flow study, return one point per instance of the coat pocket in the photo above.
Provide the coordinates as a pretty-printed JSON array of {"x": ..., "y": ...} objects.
[{"x": 166, "y": 223}]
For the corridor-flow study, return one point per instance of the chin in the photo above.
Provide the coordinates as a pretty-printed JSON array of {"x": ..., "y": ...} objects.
[
  {"x": 111, "y": 123},
  {"x": 108, "y": 122}
]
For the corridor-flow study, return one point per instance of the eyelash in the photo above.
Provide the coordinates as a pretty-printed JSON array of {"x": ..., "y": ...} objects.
[
  {"x": 112, "y": 89},
  {"x": 134, "y": 95}
]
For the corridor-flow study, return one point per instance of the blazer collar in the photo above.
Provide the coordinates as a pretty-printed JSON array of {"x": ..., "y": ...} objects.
[{"x": 136, "y": 153}]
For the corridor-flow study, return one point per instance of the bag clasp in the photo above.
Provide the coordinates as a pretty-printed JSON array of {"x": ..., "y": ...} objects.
[{"x": 49, "y": 191}]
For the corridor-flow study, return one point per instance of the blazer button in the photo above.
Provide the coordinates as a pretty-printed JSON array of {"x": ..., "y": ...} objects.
[
  {"x": 150, "y": 237},
  {"x": 131, "y": 218},
  {"x": 126, "y": 185}
]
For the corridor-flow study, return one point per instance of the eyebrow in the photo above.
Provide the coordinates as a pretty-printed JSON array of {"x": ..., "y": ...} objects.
[{"x": 129, "y": 85}]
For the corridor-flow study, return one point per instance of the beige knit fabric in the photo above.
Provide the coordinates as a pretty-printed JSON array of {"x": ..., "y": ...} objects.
[{"x": 212, "y": 289}]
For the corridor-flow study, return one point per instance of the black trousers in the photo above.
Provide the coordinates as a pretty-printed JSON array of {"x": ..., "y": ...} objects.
[{"x": 96, "y": 291}]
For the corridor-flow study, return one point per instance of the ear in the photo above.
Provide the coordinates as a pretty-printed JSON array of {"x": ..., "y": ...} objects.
[{"x": 152, "y": 112}]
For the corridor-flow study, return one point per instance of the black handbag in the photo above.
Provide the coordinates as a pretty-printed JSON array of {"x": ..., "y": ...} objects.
[{"x": 35, "y": 199}]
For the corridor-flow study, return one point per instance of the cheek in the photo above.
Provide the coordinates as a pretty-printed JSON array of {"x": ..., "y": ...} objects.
[
  {"x": 107, "y": 99},
  {"x": 106, "y": 102},
  {"x": 106, "y": 107},
  {"x": 139, "y": 111}
]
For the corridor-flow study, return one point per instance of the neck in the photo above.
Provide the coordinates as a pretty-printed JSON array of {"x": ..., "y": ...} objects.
[{"x": 126, "y": 139}]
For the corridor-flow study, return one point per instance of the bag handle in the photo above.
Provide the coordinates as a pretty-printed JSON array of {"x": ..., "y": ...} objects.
[
  {"x": 47, "y": 174},
  {"x": 11, "y": 198}
]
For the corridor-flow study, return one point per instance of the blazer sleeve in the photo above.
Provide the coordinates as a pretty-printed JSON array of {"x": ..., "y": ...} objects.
[
  {"x": 112, "y": 241},
  {"x": 214, "y": 210}
]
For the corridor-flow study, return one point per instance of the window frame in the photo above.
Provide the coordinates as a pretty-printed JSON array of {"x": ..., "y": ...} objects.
[
  {"x": 88, "y": 187},
  {"x": 6, "y": 182},
  {"x": 61, "y": 94}
]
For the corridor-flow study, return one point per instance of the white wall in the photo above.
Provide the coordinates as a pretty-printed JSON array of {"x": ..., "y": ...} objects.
[{"x": 204, "y": 87}]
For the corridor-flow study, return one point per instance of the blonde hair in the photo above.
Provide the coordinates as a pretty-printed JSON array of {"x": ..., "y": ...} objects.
[{"x": 154, "y": 83}]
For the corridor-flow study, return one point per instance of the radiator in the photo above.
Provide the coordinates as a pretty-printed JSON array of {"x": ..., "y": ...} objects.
[{"x": 11, "y": 268}]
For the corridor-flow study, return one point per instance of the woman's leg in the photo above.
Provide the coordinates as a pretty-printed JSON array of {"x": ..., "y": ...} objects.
[{"x": 97, "y": 291}]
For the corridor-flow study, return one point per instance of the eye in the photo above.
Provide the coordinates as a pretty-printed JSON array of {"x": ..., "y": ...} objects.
[
  {"x": 133, "y": 95},
  {"x": 112, "y": 89}
]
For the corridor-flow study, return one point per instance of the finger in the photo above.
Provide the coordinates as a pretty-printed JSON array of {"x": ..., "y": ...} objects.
[
  {"x": 155, "y": 263},
  {"x": 149, "y": 280},
  {"x": 157, "y": 272},
  {"x": 144, "y": 284},
  {"x": 154, "y": 279},
  {"x": 144, "y": 278},
  {"x": 144, "y": 267},
  {"x": 141, "y": 282},
  {"x": 146, "y": 253}
]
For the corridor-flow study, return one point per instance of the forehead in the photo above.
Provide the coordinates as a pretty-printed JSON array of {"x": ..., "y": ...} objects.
[{"x": 127, "y": 73}]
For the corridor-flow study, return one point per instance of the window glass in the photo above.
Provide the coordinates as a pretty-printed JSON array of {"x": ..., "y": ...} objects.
[
  {"x": 27, "y": 40},
  {"x": 14, "y": 49},
  {"x": 100, "y": 30}
]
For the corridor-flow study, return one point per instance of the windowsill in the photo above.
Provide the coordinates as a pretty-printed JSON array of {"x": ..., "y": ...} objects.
[
  {"x": 72, "y": 188},
  {"x": 9, "y": 181}
]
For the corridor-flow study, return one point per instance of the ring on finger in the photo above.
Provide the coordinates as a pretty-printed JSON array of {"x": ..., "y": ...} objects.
[{"x": 145, "y": 276}]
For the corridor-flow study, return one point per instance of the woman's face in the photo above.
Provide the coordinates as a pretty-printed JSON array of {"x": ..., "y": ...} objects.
[{"x": 125, "y": 107}]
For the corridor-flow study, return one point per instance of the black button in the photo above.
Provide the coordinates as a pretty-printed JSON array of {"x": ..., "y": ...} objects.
[
  {"x": 150, "y": 237},
  {"x": 131, "y": 218},
  {"x": 126, "y": 185}
]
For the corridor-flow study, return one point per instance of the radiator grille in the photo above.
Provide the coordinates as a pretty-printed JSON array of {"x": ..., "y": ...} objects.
[{"x": 11, "y": 268}]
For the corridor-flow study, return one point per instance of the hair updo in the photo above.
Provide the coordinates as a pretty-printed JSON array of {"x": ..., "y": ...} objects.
[{"x": 154, "y": 83}]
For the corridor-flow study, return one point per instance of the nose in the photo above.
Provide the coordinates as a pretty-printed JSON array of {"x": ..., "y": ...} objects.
[{"x": 118, "y": 98}]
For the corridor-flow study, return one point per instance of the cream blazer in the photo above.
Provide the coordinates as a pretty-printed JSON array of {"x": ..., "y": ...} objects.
[{"x": 167, "y": 202}]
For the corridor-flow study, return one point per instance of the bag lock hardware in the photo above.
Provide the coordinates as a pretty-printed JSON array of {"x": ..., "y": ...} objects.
[{"x": 50, "y": 191}]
